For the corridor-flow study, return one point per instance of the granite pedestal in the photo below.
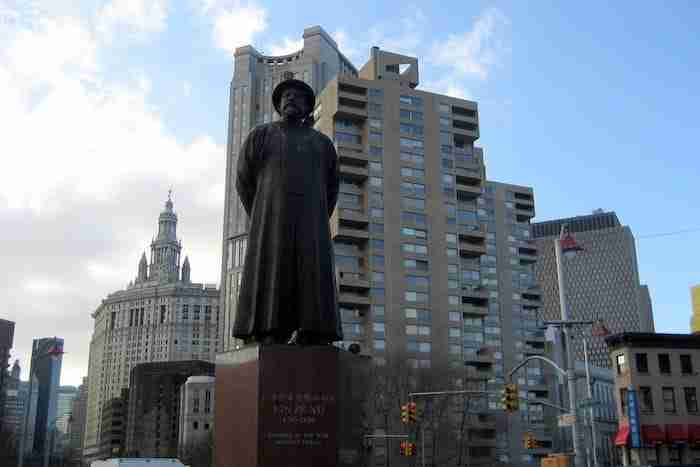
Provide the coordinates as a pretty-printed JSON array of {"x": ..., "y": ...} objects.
[{"x": 279, "y": 405}]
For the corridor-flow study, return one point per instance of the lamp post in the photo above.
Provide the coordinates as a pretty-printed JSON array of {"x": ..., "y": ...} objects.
[{"x": 566, "y": 245}]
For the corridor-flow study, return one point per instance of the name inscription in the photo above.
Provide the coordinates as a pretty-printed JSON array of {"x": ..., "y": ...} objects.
[{"x": 300, "y": 412}]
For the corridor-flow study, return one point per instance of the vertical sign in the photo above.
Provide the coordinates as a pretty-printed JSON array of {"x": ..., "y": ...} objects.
[{"x": 633, "y": 415}]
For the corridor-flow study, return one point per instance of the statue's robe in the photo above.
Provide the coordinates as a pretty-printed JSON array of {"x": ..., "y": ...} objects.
[{"x": 287, "y": 180}]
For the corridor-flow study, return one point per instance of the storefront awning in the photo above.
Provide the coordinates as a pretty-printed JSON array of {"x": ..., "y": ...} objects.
[
  {"x": 677, "y": 433},
  {"x": 623, "y": 434},
  {"x": 653, "y": 434},
  {"x": 694, "y": 434}
]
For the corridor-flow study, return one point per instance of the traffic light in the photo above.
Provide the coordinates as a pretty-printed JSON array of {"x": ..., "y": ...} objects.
[
  {"x": 403, "y": 447},
  {"x": 412, "y": 412},
  {"x": 410, "y": 449},
  {"x": 404, "y": 413},
  {"x": 530, "y": 441},
  {"x": 509, "y": 400}
]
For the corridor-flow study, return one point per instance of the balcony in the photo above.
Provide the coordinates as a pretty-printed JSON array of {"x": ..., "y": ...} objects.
[
  {"x": 470, "y": 176},
  {"x": 469, "y": 310},
  {"x": 475, "y": 293},
  {"x": 471, "y": 250},
  {"x": 352, "y": 91},
  {"x": 472, "y": 232},
  {"x": 353, "y": 173},
  {"x": 357, "y": 217},
  {"x": 351, "y": 299},
  {"x": 524, "y": 213},
  {"x": 351, "y": 154},
  {"x": 527, "y": 255},
  {"x": 351, "y": 107},
  {"x": 351, "y": 281}
]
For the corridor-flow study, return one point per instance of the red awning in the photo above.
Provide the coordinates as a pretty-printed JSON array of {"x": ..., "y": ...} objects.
[
  {"x": 653, "y": 434},
  {"x": 677, "y": 433},
  {"x": 623, "y": 434},
  {"x": 694, "y": 433}
]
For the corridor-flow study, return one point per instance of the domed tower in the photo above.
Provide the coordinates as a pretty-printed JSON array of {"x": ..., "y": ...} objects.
[{"x": 165, "y": 249}]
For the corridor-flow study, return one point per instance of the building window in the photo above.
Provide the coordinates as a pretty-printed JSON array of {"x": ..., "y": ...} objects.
[
  {"x": 691, "y": 400},
  {"x": 674, "y": 454},
  {"x": 621, "y": 364},
  {"x": 416, "y": 264},
  {"x": 686, "y": 365},
  {"x": 195, "y": 425},
  {"x": 414, "y": 248},
  {"x": 642, "y": 362},
  {"x": 669, "y": 397},
  {"x": 646, "y": 399},
  {"x": 416, "y": 297},
  {"x": 664, "y": 363}
]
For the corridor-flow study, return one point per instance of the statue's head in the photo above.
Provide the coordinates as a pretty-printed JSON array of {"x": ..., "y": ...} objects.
[{"x": 293, "y": 99}]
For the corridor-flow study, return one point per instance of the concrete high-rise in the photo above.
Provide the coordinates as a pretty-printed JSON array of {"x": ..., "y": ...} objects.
[
  {"x": 695, "y": 302},
  {"x": 162, "y": 316},
  {"x": 602, "y": 281}
]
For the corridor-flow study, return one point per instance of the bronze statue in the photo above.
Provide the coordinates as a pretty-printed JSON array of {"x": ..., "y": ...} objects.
[{"x": 287, "y": 180}]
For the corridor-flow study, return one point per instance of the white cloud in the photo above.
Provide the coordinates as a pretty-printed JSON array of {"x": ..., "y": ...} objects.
[
  {"x": 450, "y": 86},
  {"x": 474, "y": 52},
  {"x": 186, "y": 88},
  {"x": 135, "y": 17},
  {"x": 86, "y": 164},
  {"x": 287, "y": 46},
  {"x": 235, "y": 24}
]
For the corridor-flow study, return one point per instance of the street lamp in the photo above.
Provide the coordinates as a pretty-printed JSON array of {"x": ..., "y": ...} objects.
[{"x": 566, "y": 245}]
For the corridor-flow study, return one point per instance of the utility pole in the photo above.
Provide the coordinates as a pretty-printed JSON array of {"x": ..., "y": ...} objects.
[{"x": 570, "y": 367}]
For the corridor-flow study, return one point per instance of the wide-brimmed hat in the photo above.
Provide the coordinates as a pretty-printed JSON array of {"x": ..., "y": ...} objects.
[{"x": 277, "y": 93}]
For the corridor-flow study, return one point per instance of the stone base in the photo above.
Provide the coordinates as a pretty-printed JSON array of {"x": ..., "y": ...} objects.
[{"x": 279, "y": 405}]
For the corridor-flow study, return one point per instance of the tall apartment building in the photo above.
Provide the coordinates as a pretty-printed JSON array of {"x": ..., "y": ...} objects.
[
  {"x": 511, "y": 328},
  {"x": 45, "y": 371},
  {"x": 250, "y": 103},
  {"x": 601, "y": 282},
  {"x": 695, "y": 303},
  {"x": 160, "y": 317}
]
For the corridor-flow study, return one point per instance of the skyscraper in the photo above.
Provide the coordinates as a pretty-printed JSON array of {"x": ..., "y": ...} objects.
[
  {"x": 250, "y": 103},
  {"x": 45, "y": 371},
  {"x": 695, "y": 302},
  {"x": 7, "y": 332},
  {"x": 76, "y": 423},
  {"x": 601, "y": 282},
  {"x": 162, "y": 316},
  {"x": 66, "y": 395}
]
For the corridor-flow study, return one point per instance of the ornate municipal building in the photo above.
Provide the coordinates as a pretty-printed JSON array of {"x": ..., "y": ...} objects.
[{"x": 161, "y": 316}]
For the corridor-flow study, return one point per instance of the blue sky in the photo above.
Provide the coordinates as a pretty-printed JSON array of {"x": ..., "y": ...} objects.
[{"x": 106, "y": 104}]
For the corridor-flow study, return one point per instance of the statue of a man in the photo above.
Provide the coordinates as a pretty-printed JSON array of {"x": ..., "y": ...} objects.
[{"x": 287, "y": 180}]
